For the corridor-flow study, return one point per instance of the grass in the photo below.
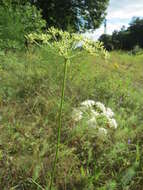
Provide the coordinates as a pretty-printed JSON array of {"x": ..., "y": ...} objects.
[{"x": 29, "y": 103}]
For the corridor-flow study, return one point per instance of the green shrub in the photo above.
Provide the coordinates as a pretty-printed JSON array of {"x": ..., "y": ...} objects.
[{"x": 17, "y": 21}]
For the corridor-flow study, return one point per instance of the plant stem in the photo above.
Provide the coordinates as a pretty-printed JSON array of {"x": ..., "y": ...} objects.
[
  {"x": 31, "y": 180},
  {"x": 59, "y": 124}
]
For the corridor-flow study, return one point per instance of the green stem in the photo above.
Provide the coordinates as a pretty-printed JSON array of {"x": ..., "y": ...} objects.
[
  {"x": 40, "y": 187},
  {"x": 59, "y": 124}
]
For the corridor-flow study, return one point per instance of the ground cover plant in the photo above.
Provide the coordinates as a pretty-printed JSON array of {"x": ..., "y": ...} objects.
[{"x": 29, "y": 102}]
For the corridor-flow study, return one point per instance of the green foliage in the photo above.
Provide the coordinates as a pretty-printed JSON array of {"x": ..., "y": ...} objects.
[
  {"x": 136, "y": 30},
  {"x": 73, "y": 15},
  {"x": 15, "y": 22},
  {"x": 107, "y": 40}
]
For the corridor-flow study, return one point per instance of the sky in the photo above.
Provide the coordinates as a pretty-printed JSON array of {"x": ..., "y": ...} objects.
[{"x": 119, "y": 13}]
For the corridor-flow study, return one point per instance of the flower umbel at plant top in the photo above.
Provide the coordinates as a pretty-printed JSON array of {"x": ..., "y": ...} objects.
[{"x": 63, "y": 43}]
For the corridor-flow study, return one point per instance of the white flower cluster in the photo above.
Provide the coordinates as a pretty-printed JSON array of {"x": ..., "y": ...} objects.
[{"x": 93, "y": 111}]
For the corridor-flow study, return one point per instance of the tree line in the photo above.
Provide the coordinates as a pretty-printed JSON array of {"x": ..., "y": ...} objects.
[{"x": 127, "y": 38}]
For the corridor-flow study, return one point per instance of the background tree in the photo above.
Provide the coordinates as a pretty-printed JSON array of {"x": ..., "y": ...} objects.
[
  {"x": 107, "y": 40},
  {"x": 127, "y": 38},
  {"x": 75, "y": 15},
  {"x": 136, "y": 31}
]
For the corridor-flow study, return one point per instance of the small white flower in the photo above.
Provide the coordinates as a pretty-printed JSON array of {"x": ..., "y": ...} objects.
[
  {"x": 105, "y": 115},
  {"x": 102, "y": 131},
  {"x": 94, "y": 113},
  {"x": 101, "y": 106},
  {"x": 113, "y": 123},
  {"x": 77, "y": 114},
  {"x": 88, "y": 103},
  {"x": 109, "y": 112},
  {"x": 92, "y": 122}
]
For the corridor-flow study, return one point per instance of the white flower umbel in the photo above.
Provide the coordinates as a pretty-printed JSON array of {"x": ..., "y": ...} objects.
[
  {"x": 94, "y": 113},
  {"x": 88, "y": 103},
  {"x": 109, "y": 112},
  {"x": 102, "y": 130},
  {"x": 77, "y": 114},
  {"x": 100, "y": 106},
  {"x": 113, "y": 123},
  {"x": 92, "y": 122}
]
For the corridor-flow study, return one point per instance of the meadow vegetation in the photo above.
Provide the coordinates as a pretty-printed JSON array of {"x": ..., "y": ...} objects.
[
  {"x": 30, "y": 90},
  {"x": 100, "y": 122}
]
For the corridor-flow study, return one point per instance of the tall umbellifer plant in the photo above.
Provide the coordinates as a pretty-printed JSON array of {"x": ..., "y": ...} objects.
[{"x": 63, "y": 44}]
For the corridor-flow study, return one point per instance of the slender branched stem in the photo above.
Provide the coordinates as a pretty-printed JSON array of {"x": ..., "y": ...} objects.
[
  {"x": 63, "y": 43},
  {"x": 59, "y": 125}
]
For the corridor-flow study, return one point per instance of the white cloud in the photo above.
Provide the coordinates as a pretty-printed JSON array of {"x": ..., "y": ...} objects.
[
  {"x": 97, "y": 33},
  {"x": 125, "y": 12},
  {"x": 125, "y": 9}
]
